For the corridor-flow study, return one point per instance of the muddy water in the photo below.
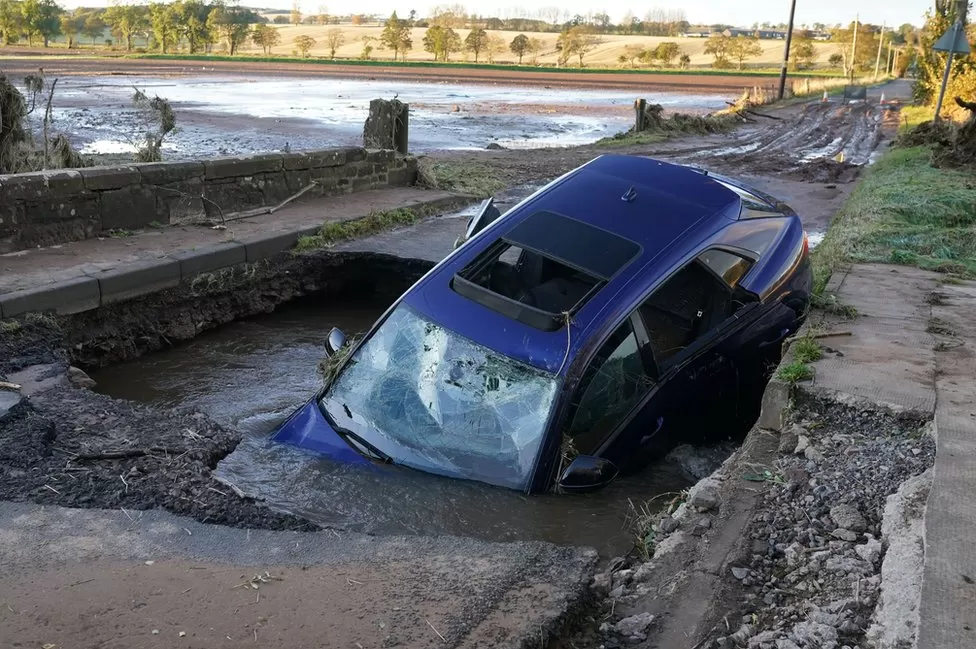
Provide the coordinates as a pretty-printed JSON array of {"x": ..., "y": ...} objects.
[{"x": 251, "y": 374}]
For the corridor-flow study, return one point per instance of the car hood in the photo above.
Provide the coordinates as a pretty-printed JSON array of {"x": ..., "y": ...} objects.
[{"x": 308, "y": 428}]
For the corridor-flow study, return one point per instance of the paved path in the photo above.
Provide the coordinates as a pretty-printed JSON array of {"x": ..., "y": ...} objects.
[
  {"x": 82, "y": 275},
  {"x": 121, "y": 579},
  {"x": 912, "y": 347}
]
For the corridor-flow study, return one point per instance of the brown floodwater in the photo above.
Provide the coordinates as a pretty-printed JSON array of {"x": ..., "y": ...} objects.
[{"x": 251, "y": 374}]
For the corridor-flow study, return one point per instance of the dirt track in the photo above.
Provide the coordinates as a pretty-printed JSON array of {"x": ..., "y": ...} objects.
[{"x": 148, "y": 67}]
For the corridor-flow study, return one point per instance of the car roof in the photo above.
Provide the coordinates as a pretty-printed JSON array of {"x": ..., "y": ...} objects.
[{"x": 667, "y": 210}]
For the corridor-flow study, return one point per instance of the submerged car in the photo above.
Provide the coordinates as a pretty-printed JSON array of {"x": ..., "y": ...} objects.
[{"x": 610, "y": 312}]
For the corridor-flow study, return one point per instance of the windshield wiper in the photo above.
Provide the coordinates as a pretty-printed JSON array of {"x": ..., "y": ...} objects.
[{"x": 362, "y": 445}]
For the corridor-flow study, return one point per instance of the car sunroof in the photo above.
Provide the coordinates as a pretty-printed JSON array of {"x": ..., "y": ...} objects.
[{"x": 544, "y": 269}]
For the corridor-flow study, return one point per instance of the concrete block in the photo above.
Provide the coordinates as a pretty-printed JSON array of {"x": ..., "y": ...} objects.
[
  {"x": 269, "y": 245},
  {"x": 127, "y": 208},
  {"x": 165, "y": 173},
  {"x": 180, "y": 201},
  {"x": 382, "y": 156},
  {"x": 401, "y": 177},
  {"x": 326, "y": 158},
  {"x": 42, "y": 184},
  {"x": 296, "y": 161},
  {"x": 219, "y": 168},
  {"x": 138, "y": 279},
  {"x": 355, "y": 155},
  {"x": 69, "y": 296},
  {"x": 775, "y": 401},
  {"x": 102, "y": 178},
  {"x": 210, "y": 258}
]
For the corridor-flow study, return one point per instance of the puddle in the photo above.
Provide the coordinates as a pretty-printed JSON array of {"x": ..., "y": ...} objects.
[{"x": 251, "y": 374}]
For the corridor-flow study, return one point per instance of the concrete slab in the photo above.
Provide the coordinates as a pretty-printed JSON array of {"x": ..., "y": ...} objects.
[
  {"x": 207, "y": 259},
  {"x": 948, "y": 608},
  {"x": 888, "y": 357},
  {"x": 138, "y": 279},
  {"x": 152, "y": 579},
  {"x": 64, "y": 297}
]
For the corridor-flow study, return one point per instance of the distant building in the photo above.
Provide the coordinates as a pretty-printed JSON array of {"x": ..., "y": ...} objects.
[
  {"x": 696, "y": 34},
  {"x": 765, "y": 34}
]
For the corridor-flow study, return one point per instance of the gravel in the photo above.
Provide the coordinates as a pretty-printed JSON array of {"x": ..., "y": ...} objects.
[{"x": 814, "y": 572}]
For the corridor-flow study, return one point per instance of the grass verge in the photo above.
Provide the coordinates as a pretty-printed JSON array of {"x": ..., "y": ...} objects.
[
  {"x": 794, "y": 372},
  {"x": 806, "y": 350},
  {"x": 905, "y": 211},
  {"x": 469, "y": 178},
  {"x": 331, "y": 233}
]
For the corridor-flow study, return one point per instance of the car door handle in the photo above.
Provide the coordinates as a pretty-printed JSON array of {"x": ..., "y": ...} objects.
[
  {"x": 660, "y": 425},
  {"x": 778, "y": 339}
]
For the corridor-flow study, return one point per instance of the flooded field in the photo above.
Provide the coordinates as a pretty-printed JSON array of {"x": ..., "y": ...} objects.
[
  {"x": 231, "y": 115},
  {"x": 251, "y": 374}
]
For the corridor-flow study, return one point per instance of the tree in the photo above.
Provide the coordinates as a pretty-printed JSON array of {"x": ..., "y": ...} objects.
[
  {"x": 476, "y": 42},
  {"x": 519, "y": 46},
  {"x": 496, "y": 46},
  {"x": 578, "y": 41},
  {"x": 396, "y": 36},
  {"x": 266, "y": 37},
  {"x": 367, "y": 47},
  {"x": 742, "y": 48},
  {"x": 11, "y": 21},
  {"x": 41, "y": 18},
  {"x": 125, "y": 21},
  {"x": 93, "y": 27},
  {"x": 193, "y": 19},
  {"x": 233, "y": 24},
  {"x": 836, "y": 60},
  {"x": 441, "y": 42},
  {"x": 72, "y": 24},
  {"x": 165, "y": 22},
  {"x": 631, "y": 54},
  {"x": 304, "y": 43},
  {"x": 296, "y": 13},
  {"x": 668, "y": 51},
  {"x": 334, "y": 39},
  {"x": 718, "y": 45},
  {"x": 684, "y": 61},
  {"x": 930, "y": 64},
  {"x": 802, "y": 52}
]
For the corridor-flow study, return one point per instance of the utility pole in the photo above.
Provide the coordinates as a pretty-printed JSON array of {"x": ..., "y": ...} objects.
[
  {"x": 877, "y": 61},
  {"x": 854, "y": 47},
  {"x": 786, "y": 52},
  {"x": 891, "y": 60}
]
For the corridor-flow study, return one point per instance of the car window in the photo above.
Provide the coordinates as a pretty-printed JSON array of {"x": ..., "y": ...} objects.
[
  {"x": 687, "y": 307},
  {"x": 752, "y": 206},
  {"x": 612, "y": 384},
  {"x": 730, "y": 267}
]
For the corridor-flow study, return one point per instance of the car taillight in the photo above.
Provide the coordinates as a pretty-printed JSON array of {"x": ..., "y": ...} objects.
[{"x": 806, "y": 244}]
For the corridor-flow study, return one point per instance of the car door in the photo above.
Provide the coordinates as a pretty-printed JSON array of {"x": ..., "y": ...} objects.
[{"x": 690, "y": 322}]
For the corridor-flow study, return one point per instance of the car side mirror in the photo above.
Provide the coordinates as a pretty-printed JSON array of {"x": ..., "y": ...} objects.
[
  {"x": 588, "y": 473},
  {"x": 486, "y": 215},
  {"x": 335, "y": 341}
]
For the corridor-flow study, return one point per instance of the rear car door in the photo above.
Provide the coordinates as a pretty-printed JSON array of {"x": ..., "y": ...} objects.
[{"x": 689, "y": 321}]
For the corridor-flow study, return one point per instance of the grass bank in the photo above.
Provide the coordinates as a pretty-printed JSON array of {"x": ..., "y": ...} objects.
[{"x": 905, "y": 211}]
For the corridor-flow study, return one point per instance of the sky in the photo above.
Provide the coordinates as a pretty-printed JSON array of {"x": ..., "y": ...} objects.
[{"x": 745, "y": 13}]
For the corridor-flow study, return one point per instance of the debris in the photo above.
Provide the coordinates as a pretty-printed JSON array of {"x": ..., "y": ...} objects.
[
  {"x": 47, "y": 486},
  {"x": 435, "y": 630},
  {"x": 7, "y": 385},
  {"x": 150, "y": 562},
  {"x": 256, "y": 581},
  {"x": 634, "y": 626},
  {"x": 740, "y": 573},
  {"x": 155, "y": 632},
  {"x": 182, "y": 634}
]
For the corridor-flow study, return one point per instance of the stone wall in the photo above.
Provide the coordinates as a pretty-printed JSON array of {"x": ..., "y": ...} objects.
[{"x": 49, "y": 207}]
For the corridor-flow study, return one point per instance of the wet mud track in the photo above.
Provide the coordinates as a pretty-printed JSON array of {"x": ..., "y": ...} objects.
[{"x": 825, "y": 142}]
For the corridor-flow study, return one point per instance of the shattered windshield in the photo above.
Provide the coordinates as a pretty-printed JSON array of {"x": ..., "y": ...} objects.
[{"x": 441, "y": 403}]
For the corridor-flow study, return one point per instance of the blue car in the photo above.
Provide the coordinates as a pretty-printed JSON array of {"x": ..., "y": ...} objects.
[{"x": 616, "y": 310}]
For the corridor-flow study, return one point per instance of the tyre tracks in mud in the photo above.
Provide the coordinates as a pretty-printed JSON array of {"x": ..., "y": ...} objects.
[{"x": 825, "y": 142}]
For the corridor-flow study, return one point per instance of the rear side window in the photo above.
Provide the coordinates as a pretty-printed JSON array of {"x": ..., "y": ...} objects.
[
  {"x": 730, "y": 267},
  {"x": 753, "y": 207}
]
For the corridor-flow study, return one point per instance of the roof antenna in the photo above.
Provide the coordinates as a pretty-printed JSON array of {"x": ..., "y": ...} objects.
[{"x": 629, "y": 195}]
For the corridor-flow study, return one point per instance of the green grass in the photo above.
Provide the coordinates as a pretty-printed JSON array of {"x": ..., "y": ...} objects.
[
  {"x": 646, "y": 516},
  {"x": 806, "y": 350},
  {"x": 912, "y": 116},
  {"x": 478, "y": 66},
  {"x": 905, "y": 211},
  {"x": 469, "y": 178},
  {"x": 794, "y": 372},
  {"x": 9, "y": 326},
  {"x": 332, "y": 233}
]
